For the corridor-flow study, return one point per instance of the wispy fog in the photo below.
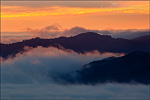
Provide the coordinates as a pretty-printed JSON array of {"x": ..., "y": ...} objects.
[
  {"x": 28, "y": 76},
  {"x": 39, "y": 63},
  {"x": 84, "y": 92}
]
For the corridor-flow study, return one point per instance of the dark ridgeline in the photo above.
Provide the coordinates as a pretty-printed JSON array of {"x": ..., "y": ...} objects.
[
  {"x": 132, "y": 68},
  {"x": 14, "y": 48},
  {"x": 81, "y": 43}
]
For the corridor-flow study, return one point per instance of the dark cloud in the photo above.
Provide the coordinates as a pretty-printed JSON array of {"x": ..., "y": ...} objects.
[
  {"x": 54, "y": 27},
  {"x": 50, "y": 31}
]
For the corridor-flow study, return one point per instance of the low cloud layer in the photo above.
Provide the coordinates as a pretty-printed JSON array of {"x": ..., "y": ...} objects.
[
  {"x": 28, "y": 76},
  {"x": 84, "y": 92},
  {"x": 38, "y": 64}
]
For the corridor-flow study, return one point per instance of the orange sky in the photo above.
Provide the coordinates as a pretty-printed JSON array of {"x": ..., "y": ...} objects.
[{"x": 18, "y": 16}]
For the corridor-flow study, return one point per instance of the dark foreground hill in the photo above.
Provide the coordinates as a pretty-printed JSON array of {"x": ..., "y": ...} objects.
[
  {"x": 80, "y": 43},
  {"x": 131, "y": 68}
]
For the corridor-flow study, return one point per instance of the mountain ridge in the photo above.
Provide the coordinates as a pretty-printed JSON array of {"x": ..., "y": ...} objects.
[{"x": 84, "y": 42}]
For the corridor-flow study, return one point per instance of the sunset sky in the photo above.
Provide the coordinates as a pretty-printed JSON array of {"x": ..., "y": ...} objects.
[
  {"x": 72, "y": 49},
  {"x": 19, "y": 16}
]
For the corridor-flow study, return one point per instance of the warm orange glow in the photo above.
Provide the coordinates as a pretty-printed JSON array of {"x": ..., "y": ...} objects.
[
  {"x": 125, "y": 15},
  {"x": 74, "y": 11}
]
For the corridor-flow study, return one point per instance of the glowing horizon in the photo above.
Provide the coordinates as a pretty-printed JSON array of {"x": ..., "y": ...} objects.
[{"x": 125, "y": 15}]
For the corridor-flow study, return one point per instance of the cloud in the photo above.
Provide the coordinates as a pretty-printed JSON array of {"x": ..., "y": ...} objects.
[
  {"x": 86, "y": 4},
  {"x": 62, "y": 10},
  {"x": 13, "y": 39},
  {"x": 50, "y": 31},
  {"x": 39, "y": 63},
  {"x": 54, "y": 27},
  {"x": 56, "y": 91},
  {"x": 74, "y": 31},
  {"x": 55, "y": 30},
  {"x": 129, "y": 34},
  {"x": 28, "y": 76}
]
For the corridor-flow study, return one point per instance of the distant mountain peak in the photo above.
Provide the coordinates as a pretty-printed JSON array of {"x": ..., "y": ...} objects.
[
  {"x": 91, "y": 34},
  {"x": 36, "y": 38},
  {"x": 88, "y": 34}
]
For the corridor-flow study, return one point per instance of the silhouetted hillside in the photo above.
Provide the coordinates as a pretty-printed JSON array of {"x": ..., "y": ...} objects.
[
  {"x": 80, "y": 43},
  {"x": 143, "y": 40},
  {"x": 133, "y": 67},
  {"x": 14, "y": 48}
]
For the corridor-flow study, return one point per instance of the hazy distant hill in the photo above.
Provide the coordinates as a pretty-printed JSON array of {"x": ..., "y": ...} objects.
[
  {"x": 142, "y": 39},
  {"x": 80, "y": 43}
]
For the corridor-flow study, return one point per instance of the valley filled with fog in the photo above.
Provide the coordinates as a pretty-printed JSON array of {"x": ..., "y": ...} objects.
[{"x": 28, "y": 75}]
